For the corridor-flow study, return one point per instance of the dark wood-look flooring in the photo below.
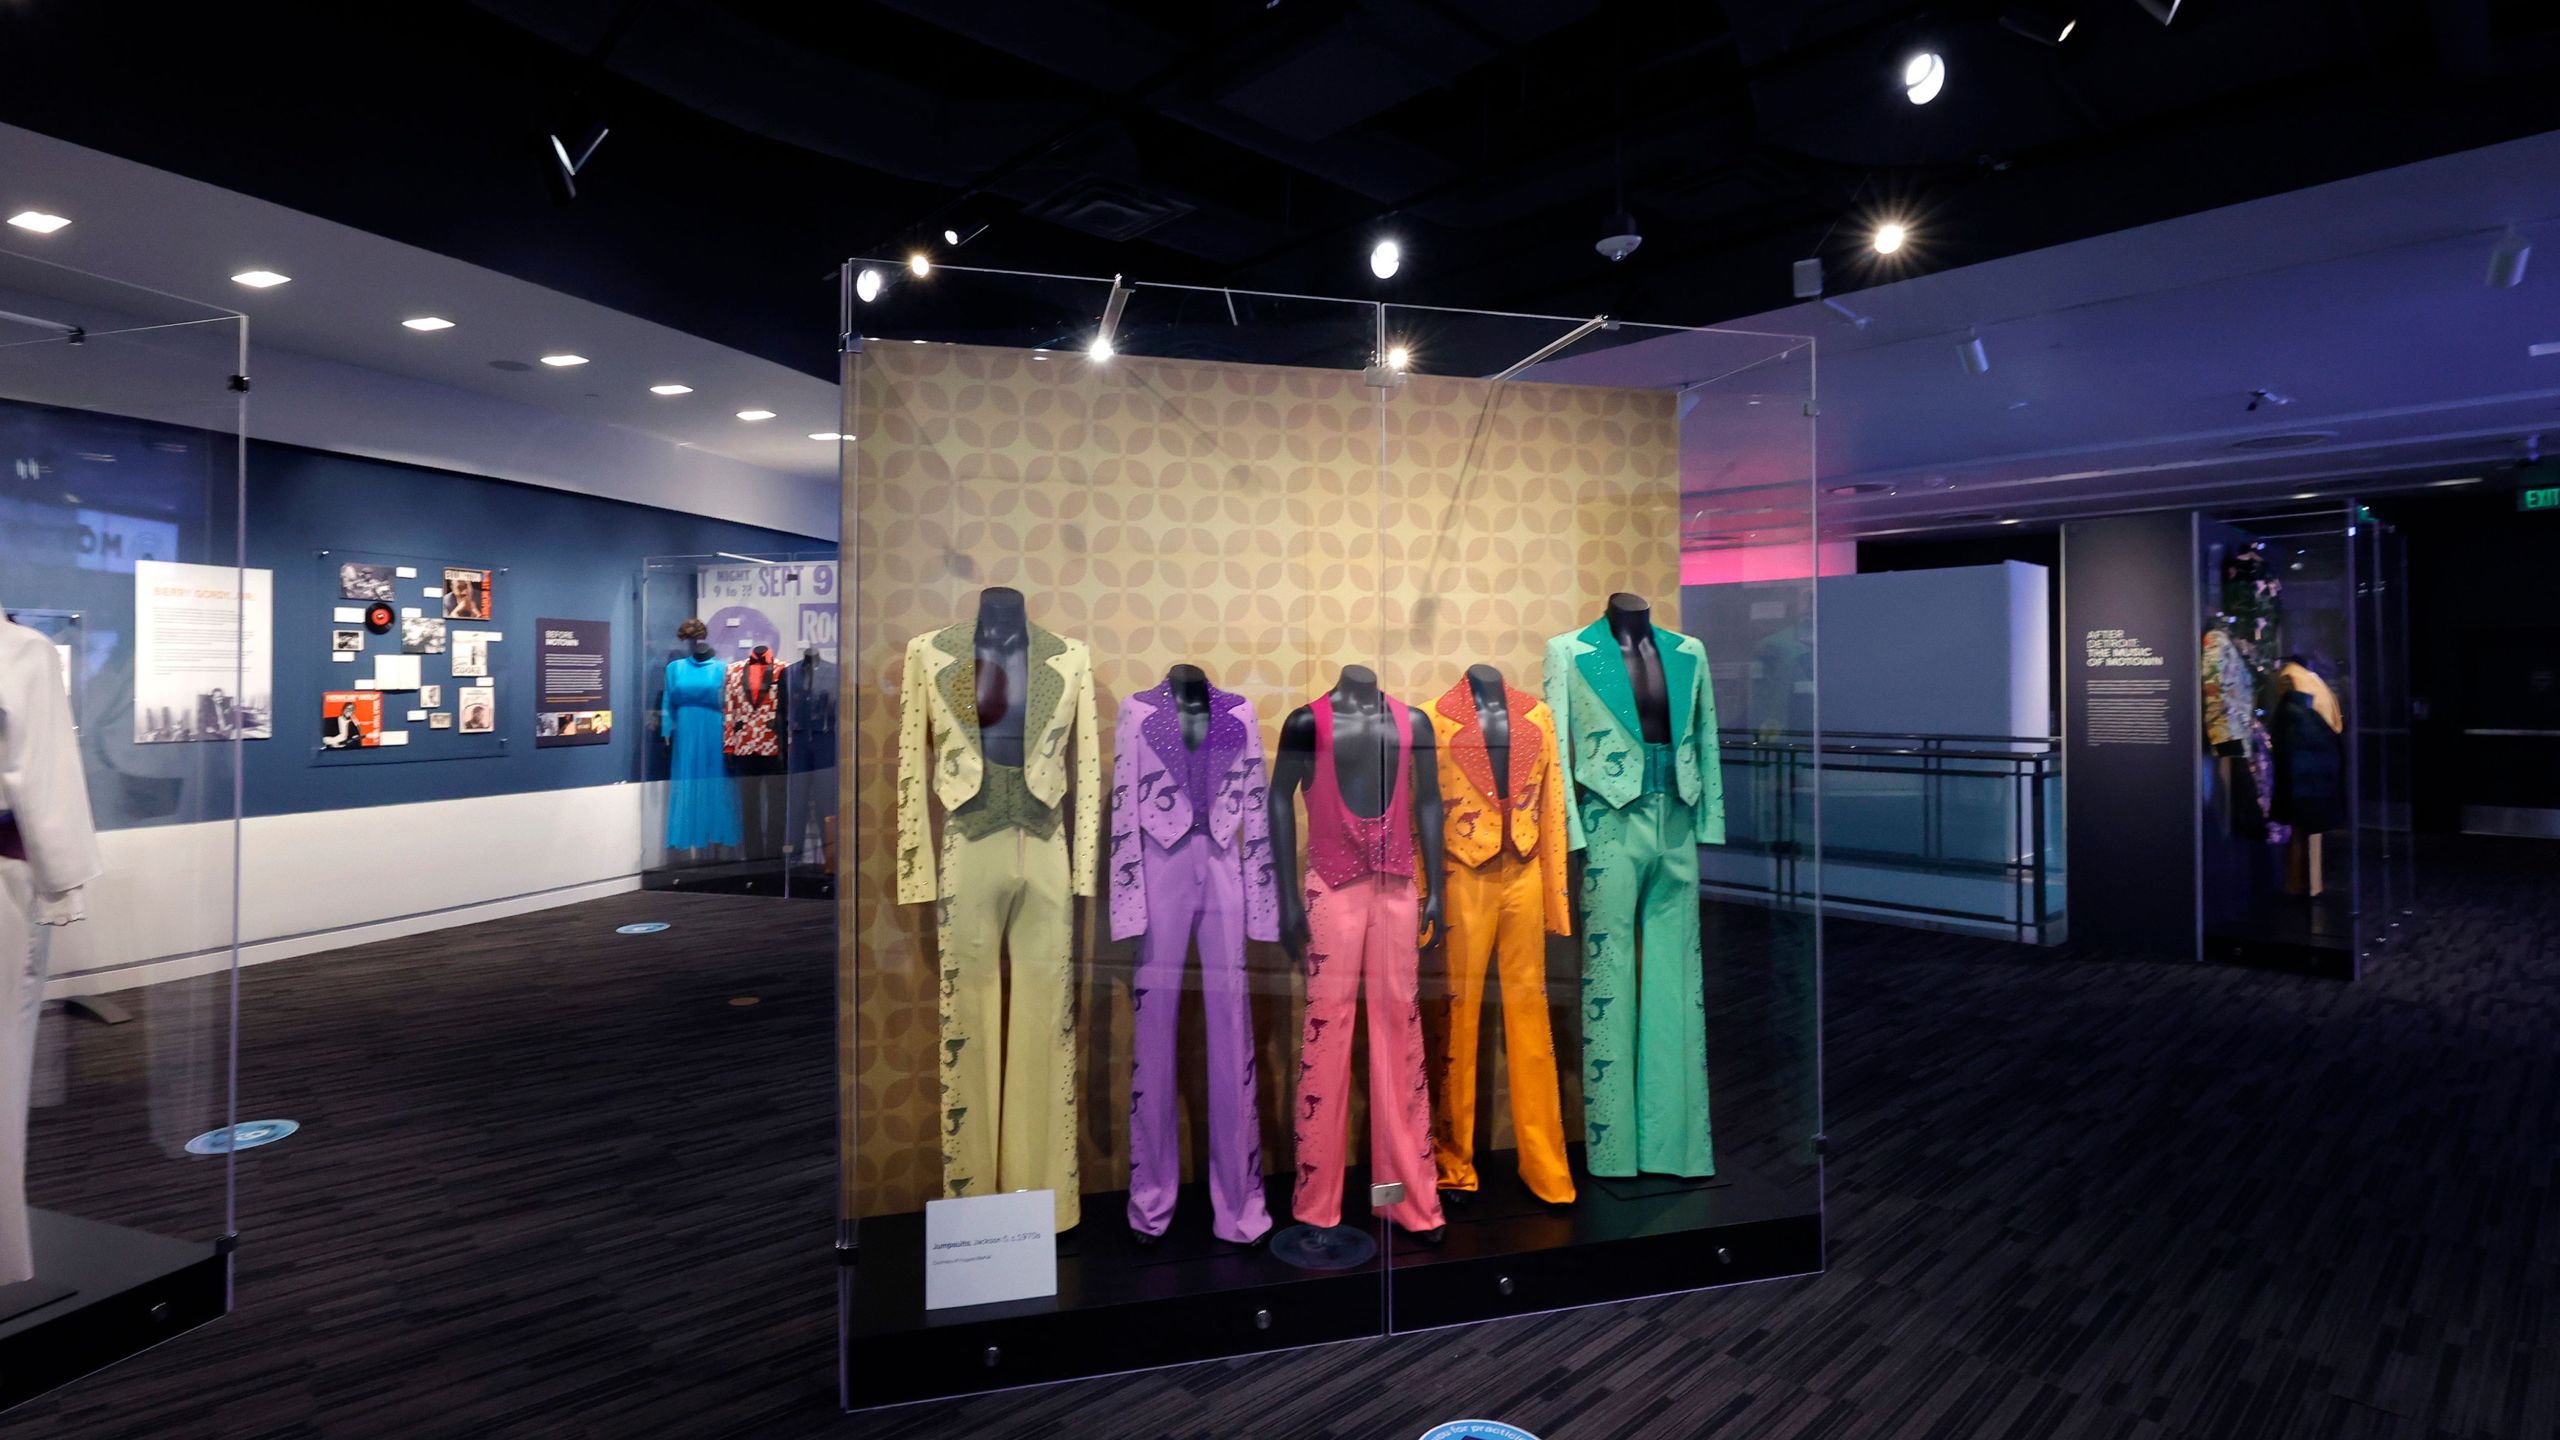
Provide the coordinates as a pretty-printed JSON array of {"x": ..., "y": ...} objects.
[{"x": 555, "y": 1185}]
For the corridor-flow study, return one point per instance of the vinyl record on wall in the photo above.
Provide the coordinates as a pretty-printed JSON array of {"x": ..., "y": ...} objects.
[{"x": 379, "y": 618}]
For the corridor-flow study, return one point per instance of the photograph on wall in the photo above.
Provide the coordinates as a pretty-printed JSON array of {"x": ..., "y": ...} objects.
[
  {"x": 203, "y": 653},
  {"x": 440, "y": 720},
  {"x": 430, "y": 696},
  {"x": 788, "y": 608},
  {"x": 572, "y": 682},
  {"x": 350, "y": 720},
  {"x": 422, "y": 635},
  {"x": 479, "y": 710},
  {"x": 466, "y": 594},
  {"x": 364, "y": 582},
  {"x": 470, "y": 649},
  {"x": 343, "y": 641}
]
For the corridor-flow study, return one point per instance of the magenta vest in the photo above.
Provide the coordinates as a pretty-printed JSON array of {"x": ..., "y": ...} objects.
[{"x": 1342, "y": 846}]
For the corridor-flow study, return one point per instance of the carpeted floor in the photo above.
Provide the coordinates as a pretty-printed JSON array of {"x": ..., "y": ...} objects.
[{"x": 555, "y": 1184}]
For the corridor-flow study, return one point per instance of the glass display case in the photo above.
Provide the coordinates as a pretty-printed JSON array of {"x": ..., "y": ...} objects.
[
  {"x": 739, "y": 688},
  {"x": 135, "y": 673},
  {"x": 2285, "y": 699},
  {"x": 1275, "y": 772}
]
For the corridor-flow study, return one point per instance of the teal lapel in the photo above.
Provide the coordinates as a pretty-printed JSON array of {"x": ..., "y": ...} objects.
[
  {"x": 1679, "y": 671},
  {"x": 1605, "y": 671},
  {"x": 960, "y": 679}
]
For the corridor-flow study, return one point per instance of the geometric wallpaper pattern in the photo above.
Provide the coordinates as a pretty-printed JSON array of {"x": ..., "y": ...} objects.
[{"x": 1270, "y": 524}]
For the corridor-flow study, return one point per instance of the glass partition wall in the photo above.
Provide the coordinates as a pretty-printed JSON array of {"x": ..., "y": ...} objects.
[
  {"x": 1275, "y": 772},
  {"x": 135, "y": 670}
]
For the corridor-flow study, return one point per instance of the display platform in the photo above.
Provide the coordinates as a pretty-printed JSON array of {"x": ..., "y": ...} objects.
[
  {"x": 2297, "y": 934},
  {"x": 743, "y": 877},
  {"x": 122, "y": 1292}
]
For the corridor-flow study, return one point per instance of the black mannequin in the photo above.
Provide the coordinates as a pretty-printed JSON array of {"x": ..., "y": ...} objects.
[
  {"x": 1631, "y": 620},
  {"x": 702, "y": 650},
  {"x": 1493, "y": 716},
  {"x": 1364, "y": 747},
  {"x": 1190, "y": 687},
  {"x": 1004, "y": 672}
]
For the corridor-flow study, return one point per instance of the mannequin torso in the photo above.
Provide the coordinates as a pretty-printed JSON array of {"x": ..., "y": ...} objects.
[
  {"x": 1493, "y": 716},
  {"x": 1004, "y": 672},
  {"x": 1631, "y": 621},
  {"x": 1190, "y": 687}
]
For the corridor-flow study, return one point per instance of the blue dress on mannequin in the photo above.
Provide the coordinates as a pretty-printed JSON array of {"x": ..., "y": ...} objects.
[{"x": 702, "y": 809}]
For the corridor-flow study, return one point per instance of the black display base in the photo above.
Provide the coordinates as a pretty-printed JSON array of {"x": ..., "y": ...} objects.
[
  {"x": 124, "y": 1292},
  {"x": 26, "y": 1295},
  {"x": 2296, "y": 934},
  {"x": 744, "y": 877},
  {"x": 1190, "y": 1297}
]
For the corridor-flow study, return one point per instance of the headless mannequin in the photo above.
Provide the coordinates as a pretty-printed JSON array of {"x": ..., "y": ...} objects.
[
  {"x": 701, "y": 649},
  {"x": 1004, "y": 672},
  {"x": 1190, "y": 686},
  {"x": 1493, "y": 717},
  {"x": 1631, "y": 620},
  {"x": 1364, "y": 747}
]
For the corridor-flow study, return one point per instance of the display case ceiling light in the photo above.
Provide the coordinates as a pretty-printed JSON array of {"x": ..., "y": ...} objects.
[
  {"x": 755, "y": 414},
  {"x": 563, "y": 361},
  {"x": 428, "y": 322},
  {"x": 260, "y": 279},
  {"x": 39, "y": 221},
  {"x": 670, "y": 389}
]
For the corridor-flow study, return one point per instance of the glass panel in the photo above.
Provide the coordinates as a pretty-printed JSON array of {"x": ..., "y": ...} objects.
[
  {"x": 2280, "y": 855},
  {"x": 743, "y": 808},
  {"x": 2383, "y": 722},
  {"x": 125, "y": 712},
  {"x": 1043, "y": 536},
  {"x": 1604, "y": 533}
]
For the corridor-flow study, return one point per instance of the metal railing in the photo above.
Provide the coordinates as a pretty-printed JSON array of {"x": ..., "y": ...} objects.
[{"x": 1954, "y": 813}]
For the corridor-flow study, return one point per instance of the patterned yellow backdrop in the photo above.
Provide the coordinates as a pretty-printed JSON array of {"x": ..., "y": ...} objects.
[{"x": 1269, "y": 524}]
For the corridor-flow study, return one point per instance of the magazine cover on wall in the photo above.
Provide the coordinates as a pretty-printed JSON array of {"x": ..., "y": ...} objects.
[
  {"x": 202, "y": 653},
  {"x": 419, "y": 637}
]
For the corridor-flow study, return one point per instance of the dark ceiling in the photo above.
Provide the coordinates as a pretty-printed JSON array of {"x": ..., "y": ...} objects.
[{"x": 1260, "y": 143}]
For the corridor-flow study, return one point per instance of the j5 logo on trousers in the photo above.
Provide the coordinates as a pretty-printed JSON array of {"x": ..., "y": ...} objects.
[{"x": 1476, "y": 1430}]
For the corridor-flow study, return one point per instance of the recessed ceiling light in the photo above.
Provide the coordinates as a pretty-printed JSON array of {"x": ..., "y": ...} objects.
[
  {"x": 1889, "y": 237},
  {"x": 824, "y": 435},
  {"x": 429, "y": 322},
  {"x": 867, "y": 285},
  {"x": 755, "y": 414},
  {"x": 670, "y": 389},
  {"x": 2013, "y": 520},
  {"x": 921, "y": 264},
  {"x": 38, "y": 221},
  {"x": 2307, "y": 495},
  {"x": 260, "y": 279},
  {"x": 563, "y": 361},
  {"x": 2466, "y": 480},
  {"x": 1923, "y": 76},
  {"x": 1385, "y": 258}
]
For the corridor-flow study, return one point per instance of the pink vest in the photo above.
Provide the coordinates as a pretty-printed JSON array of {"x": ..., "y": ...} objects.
[{"x": 1342, "y": 846}]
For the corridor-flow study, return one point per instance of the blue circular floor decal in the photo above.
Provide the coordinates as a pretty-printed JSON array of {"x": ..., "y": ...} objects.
[
  {"x": 247, "y": 1135},
  {"x": 1476, "y": 1430},
  {"x": 645, "y": 927}
]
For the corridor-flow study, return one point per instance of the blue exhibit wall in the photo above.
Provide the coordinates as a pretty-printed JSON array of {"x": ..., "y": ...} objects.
[{"x": 566, "y": 556}]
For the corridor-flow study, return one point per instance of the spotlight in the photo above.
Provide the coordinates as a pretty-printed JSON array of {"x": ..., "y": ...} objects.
[
  {"x": 1100, "y": 349},
  {"x": 1622, "y": 239},
  {"x": 1385, "y": 259},
  {"x": 1398, "y": 357},
  {"x": 949, "y": 237},
  {"x": 2506, "y": 263},
  {"x": 755, "y": 414},
  {"x": 921, "y": 264},
  {"x": 1977, "y": 361},
  {"x": 1923, "y": 76},
  {"x": 2163, "y": 11},
  {"x": 670, "y": 389},
  {"x": 428, "y": 322},
  {"x": 562, "y": 362},
  {"x": 1808, "y": 279},
  {"x": 866, "y": 286},
  {"x": 1889, "y": 237},
  {"x": 260, "y": 279},
  {"x": 38, "y": 221},
  {"x": 2037, "y": 25}
]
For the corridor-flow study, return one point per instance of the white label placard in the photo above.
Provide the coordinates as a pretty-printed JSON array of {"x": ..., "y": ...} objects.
[
  {"x": 417, "y": 714},
  {"x": 486, "y": 680},
  {"x": 393, "y": 737},
  {"x": 433, "y": 592},
  {"x": 366, "y": 685},
  {"x": 348, "y": 614},
  {"x": 411, "y": 612},
  {"x": 406, "y": 572},
  {"x": 343, "y": 657},
  {"x": 980, "y": 1249}
]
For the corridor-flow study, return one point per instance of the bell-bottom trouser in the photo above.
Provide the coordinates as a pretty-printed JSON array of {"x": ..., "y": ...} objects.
[
  {"x": 1497, "y": 915},
  {"x": 22, "y": 967},
  {"x": 1194, "y": 890},
  {"x": 1008, "y": 1073},
  {"x": 1366, "y": 928},
  {"x": 1644, "y": 1006}
]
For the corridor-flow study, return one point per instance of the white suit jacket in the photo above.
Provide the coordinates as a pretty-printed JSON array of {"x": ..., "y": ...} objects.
[{"x": 40, "y": 781}]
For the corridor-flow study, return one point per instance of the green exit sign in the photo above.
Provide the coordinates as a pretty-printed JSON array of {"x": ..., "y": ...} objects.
[{"x": 2541, "y": 497}]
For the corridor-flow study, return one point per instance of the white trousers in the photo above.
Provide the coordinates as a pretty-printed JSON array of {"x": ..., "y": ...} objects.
[{"x": 22, "y": 966}]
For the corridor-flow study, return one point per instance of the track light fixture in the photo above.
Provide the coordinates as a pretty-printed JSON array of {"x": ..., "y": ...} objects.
[
  {"x": 956, "y": 237},
  {"x": 1385, "y": 259},
  {"x": 920, "y": 264},
  {"x": 2163, "y": 11},
  {"x": 1977, "y": 361},
  {"x": 2506, "y": 263},
  {"x": 569, "y": 166},
  {"x": 2040, "y": 26},
  {"x": 1622, "y": 239},
  {"x": 1889, "y": 237},
  {"x": 1808, "y": 279},
  {"x": 1109, "y": 329},
  {"x": 1923, "y": 76}
]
